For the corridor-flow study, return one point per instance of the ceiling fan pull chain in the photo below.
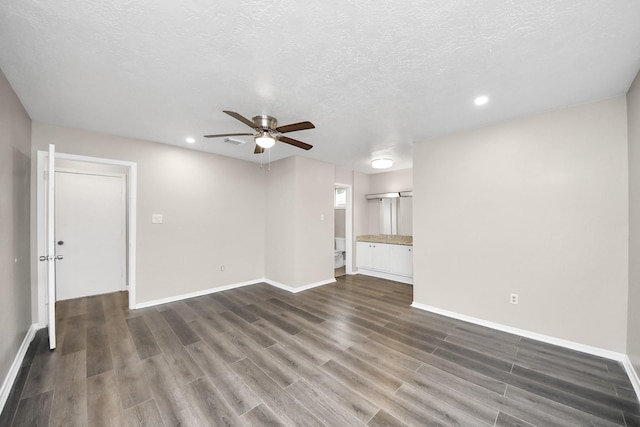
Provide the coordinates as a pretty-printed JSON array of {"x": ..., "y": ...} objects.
[{"x": 269, "y": 168}]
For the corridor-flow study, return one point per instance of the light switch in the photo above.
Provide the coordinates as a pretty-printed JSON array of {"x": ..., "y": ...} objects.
[
  {"x": 321, "y": 217},
  {"x": 156, "y": 219}
]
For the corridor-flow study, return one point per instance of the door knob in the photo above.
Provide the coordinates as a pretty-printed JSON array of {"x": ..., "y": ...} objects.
[
  {"x": 60, "y": 242},
  {"x": 43, "y": 258},
  {"x": 58, "y": 257}
]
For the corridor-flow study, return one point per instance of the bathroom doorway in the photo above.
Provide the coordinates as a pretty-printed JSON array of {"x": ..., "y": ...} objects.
[{"x": 342, "y": 230}]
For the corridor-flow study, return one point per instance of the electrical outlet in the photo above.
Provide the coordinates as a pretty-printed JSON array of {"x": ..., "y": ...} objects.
[
  {"x": 222, "y": 268},
  {"x": 514, "y": 299}
]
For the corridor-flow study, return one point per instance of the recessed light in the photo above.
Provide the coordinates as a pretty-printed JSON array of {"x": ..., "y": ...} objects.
[
  {"x": 190, "y": 140},
  {"x": 381, "y": 163},
  {"x": 481, "y": 100}
]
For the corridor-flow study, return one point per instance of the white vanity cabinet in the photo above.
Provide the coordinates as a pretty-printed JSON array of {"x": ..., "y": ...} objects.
[{"x": 387, "y": 261}]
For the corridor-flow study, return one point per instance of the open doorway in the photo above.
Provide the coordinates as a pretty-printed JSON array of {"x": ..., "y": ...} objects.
[
  {"x": 343, "y": 230},
  {"x": 123, "y": 174}
]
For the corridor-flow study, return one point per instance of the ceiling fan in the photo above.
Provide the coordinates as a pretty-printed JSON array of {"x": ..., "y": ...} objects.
[{"x": 268, "y": 131}]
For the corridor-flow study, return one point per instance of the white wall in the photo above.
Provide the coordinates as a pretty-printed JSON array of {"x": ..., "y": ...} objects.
[
  {"x": 339, "y": 222},
  {"x": 212, "y": 205},
  {"x": 15, "y": 277},
  {"x": 633, "y": 127},
  {"x": 535, "y": 206},
  {"x": 299, "y": 244},
  {"x": 360, "y": 209},
  {"x": 280, "y": 253}
]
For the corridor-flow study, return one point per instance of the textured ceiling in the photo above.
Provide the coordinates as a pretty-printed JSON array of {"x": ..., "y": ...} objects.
[{"x": 373, "y": 76}]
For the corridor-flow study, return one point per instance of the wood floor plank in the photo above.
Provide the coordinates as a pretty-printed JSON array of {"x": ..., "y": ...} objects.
[
  {"x": 177, "y": 357},
  {"x": 323, "y": 407},
  {"x": 171, "y": 402},
  {"x": 217, "y": 341},
  {"x": 277, "y": 372},
  {"x": 400, "y": 409},
  {"x": 145, "y": 343},
  {"x": 132, "y": 385},
  {"x": 75, "y": 336},
  {"x": 34, "y": 410},
  {"x": 98, "y": 351},
  {"x": 42, "y": 375},
  {"x": 384, "y": 419},
  {"x": 261, "y": 415},
  {"x": 154, "y": 320},
  {"x": 273, "y": 395},
  {"x": 180, "y": 327},
  {"x": 240, "y": 397},
  {"x": 295, "y": 311},
  {"x": 350, "y": 400},
  {"x": 13, "y": 399},
  {"x": 533, "y": 408},
  {"x": 70, "y": 404},
  {"x": 349, "y": 353},
  {"x": 276, "y": 320},
  {"x": 210, "y": 406},
  {"x": 103, "y": 400},
  {"x": 506, "y": 420},
  {"x": 248, "y": 329},
  {"x": 145, "y": 414}
]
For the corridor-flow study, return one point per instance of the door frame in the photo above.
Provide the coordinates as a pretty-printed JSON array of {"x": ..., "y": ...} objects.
[
  {"x": 348, "y": 229},
  {"x": 132, "y": 173}
]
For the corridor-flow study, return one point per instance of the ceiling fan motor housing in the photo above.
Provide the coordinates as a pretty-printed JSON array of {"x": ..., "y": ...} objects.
[{"x": 265, "y": 123}]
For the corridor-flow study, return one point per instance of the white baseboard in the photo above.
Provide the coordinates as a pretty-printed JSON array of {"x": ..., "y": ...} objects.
[
  {"x": 198, "y": 293},
  {"x": 15, "y": 366},
  {"x": 633, "y": 375},
  {"x": 232, "y": 286},
  {"x": 388, "y": 276},
  {"x": 301, "y": 288},
  {"x": 572, "y": 345}
]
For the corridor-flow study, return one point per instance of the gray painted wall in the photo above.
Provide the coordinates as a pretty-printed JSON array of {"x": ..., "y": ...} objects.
[
  {"x": 212, "y": 205},
  {"x": 633, "y": 126},
  {"x": 535, "y": 206},
  {"x": 15, "y": 277},
  {"x": 299, "y": 244}
]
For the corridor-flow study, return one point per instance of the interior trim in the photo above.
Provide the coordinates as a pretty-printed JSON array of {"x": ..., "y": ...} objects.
[
  {"x": 572, "y": 345},
  {"x": 7, "y": 384}
]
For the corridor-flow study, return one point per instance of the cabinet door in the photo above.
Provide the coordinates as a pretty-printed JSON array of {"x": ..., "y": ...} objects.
[
  {"x": 363, "y": 254},
  {"x": 402, "y": 260},
  {"x": 381, "y": 257}
]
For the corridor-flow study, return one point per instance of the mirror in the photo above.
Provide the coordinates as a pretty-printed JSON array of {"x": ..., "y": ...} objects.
[
  {"x": 388, "y": 216},
  {"x": 396, "y": 216}
]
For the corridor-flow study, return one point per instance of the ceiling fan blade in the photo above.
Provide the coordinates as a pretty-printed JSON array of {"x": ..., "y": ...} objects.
[
  {"x": 226, "y": 134},
  {"x": 295, "y": 142},
  {"x": 295, "y": 126},
  {"x": 240, "y": 118},
  {"x": 258, "y": 150}
]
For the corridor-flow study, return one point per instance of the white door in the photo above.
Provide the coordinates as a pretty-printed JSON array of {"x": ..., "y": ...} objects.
[
  {"x": 49, "y": 247},
  {"x": 90, "y": 234}
]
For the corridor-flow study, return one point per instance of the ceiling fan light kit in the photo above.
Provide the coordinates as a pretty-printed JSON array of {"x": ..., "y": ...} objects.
[
  {"x": 267, "y": 132},
  {"x": 265, "y": 140},
  {"x": 382, "y": 163}
]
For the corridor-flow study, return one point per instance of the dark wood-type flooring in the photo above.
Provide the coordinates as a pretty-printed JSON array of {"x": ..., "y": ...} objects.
[{"x": 350, "y": 353}]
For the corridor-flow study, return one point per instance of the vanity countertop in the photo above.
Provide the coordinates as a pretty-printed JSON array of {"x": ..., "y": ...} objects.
[{"x": 386, "y": 238}]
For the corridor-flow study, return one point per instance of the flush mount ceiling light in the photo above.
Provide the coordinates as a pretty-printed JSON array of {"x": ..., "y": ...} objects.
[
  {"x": 381, "y": 163},
  {"x": 265, "y": 140},
  {"x": 481, "y": 100},
  {"x": 190, "y": 140}
]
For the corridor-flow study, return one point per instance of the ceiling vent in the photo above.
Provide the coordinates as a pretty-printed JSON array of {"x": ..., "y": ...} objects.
[{"x": 234, "y": 141}]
